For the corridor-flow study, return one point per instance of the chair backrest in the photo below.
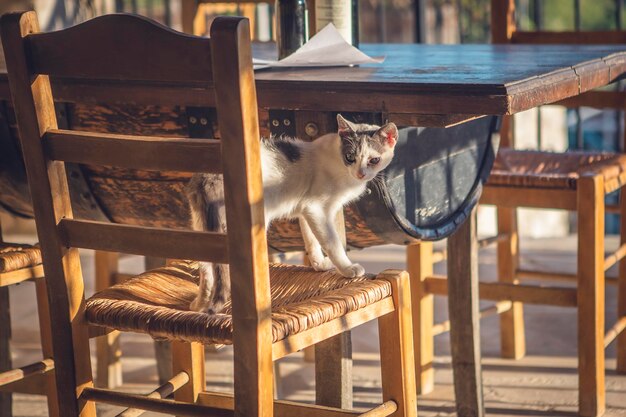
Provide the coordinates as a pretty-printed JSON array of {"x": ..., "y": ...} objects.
[
  {"x": 118, "y": 48},
  {"x": 504, "y": 30}
]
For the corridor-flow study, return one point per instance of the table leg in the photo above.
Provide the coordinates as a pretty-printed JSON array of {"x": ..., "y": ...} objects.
[
  {"x": 333, "y": 371},
  {"x": 464, "y": 315},
  {"x": 6, "y": 399},
  {"x": 333, "y": 359}
]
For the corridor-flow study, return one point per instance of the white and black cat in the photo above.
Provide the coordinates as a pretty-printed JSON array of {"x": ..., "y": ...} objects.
[{"x": 310, "y": 181}]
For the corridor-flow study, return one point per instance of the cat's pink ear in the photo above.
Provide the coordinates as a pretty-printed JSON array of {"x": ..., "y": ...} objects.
[
  {"x": 344, "y": 125},
  {"x": 389, "y": 134}
]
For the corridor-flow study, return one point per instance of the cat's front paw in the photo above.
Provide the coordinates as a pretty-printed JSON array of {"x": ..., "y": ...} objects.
[
  {"x": 354, "y": 270},
  {"x": 324, "y": 265}
]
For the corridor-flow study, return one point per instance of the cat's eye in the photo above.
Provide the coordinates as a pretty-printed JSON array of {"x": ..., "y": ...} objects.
[
  {"x": 349, "y": 157},
  {"x": 374, "y": 161}
]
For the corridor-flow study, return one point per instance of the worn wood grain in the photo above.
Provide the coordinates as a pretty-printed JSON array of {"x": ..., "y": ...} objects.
[
  {"x": 464, "y": 319},
  {"x": 591, "y": 389},
  {"x": 147, "y": 241},
  {"x": 419, "y": 261}
]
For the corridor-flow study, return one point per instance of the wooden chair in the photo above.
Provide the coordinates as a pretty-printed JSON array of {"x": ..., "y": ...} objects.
[
  {"x": 575, "y": 181},
  {"x": 21, "y": 263},
  {"x": 276, "y": 309}
]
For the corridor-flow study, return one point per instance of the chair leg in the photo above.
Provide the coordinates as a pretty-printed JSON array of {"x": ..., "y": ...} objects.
[
  {"x": 512, "y": 337},
  {"x": 189, "y": 358},
  {"x": 45, "y": 329},
  {"x": 108, "y": 352},
  {"x": 591, "y": 296},
  {"x": 420, "y": 266},
  {"x": 396, "y": 348},
  {"x": 621, "y": 289},
  {"x": 6, "y": 398}
]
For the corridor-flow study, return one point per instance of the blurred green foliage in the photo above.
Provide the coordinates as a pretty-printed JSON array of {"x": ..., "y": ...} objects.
[{"x": 555, "y": 15}]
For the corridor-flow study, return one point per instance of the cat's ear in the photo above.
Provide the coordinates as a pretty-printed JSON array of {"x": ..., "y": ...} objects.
[
  {"x": 345, "y": 127},
  {"x": 388, "y": 134}
]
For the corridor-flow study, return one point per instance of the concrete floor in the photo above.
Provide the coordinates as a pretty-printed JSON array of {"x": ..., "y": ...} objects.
[{"x": 544, "y": 383}]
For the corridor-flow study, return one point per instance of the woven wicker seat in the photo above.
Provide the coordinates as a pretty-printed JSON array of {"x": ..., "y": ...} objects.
[
  {"x": 15, "y": 256},
  {"x": 515, "y": 168},
  {"x": 157, "y": 303}
]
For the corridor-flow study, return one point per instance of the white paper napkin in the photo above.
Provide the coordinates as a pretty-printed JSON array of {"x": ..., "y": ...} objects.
[{"x": 326, "y": 49}]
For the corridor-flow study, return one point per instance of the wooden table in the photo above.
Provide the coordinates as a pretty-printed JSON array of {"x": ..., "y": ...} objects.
[{"x": 421, "y": 85}]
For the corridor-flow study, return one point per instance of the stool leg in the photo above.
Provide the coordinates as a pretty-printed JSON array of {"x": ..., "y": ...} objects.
[
  {"x": 6, "y": 398},
  {"x": 512, "y": 337},
  {"x": 591, "y": 296},
  {"x": 108, "y": 352},
  {"x": 189, "y": 358},
  {"x": 45, "y": 329},
  {"x": 621, "y": 289},
  {"x": 420, "y": 266},
  {"x": 396, "y": 348}
]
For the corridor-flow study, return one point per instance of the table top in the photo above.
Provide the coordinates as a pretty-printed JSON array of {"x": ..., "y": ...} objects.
[{"x": 461, "y": 80}]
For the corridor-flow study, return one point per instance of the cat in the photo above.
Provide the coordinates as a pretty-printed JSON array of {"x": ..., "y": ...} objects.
[{"x": 310, "y": 181}]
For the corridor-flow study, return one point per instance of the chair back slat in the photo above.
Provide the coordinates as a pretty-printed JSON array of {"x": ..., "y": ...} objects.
[
  {"x": 137, "y": 152},
  {"x": 147, "y": 241},
  {"x": 107, "y": 48}
]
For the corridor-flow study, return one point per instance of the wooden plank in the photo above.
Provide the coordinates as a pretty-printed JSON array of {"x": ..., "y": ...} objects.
[
  {"x": 188, "y": 358},
  {"x": 47, "y": 350},
  {"x": 397, "y": 361},
  {"x": 137, "y": 152},
  {"x": 591, "y": 390},
  {"x": 332, "y": 328},
  {"x": 529, "y": 197},
  {"x": 21, "y": 275},
  {"x": 166, "y": 55},
  {"x": 597, "y": 99},
  {"x": 247, "y": 242},
  {"x": 419, "y": 264},
  {"x": 621, "y": 290},
  {"x": 108, "y": 349},
  {"x": 601, "y": 37},
  {"x": 148, "y": 241},
  {"x": 512, "y": 334},
  {"x": 6, "y": 398},
  {"x": 495, "y": 291},
  {"x": 464, "y": 324}
]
